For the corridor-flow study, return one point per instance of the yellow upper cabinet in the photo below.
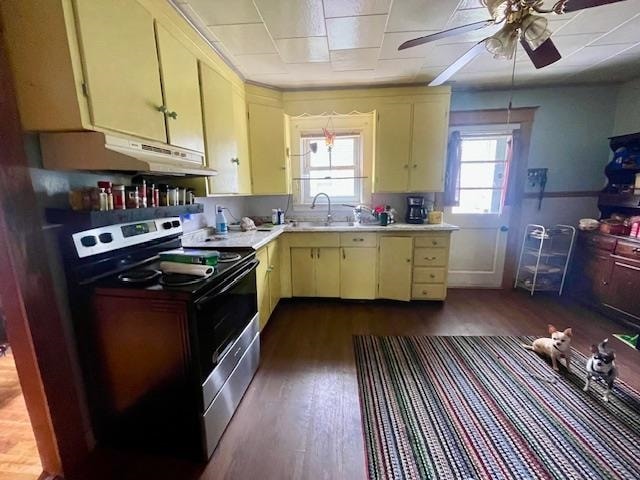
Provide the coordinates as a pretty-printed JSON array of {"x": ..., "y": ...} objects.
[
  {"x": 269, "y": 164},
  {"x": 181, "y": 88},
  {"x": 217, "y": 104},
  {"x": 411, "y": 145},
  {"x": 242, "y": 143},
  {"x": 428, "y": 146},
  {"x": 393, "y": 148},
  {"x": 120, "y": 64}
]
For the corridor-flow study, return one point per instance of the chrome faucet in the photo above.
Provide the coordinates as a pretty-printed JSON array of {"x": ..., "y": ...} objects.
[{"x": 313, "y": 205}]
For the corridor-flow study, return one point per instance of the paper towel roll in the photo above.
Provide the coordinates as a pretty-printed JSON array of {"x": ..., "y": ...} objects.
[{"x": 186, "y": 269}]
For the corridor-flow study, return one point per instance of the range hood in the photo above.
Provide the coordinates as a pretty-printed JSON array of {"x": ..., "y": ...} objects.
[{"x": 99, "y": 151}]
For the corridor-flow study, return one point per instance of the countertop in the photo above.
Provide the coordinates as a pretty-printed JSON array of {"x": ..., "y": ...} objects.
[{"x": 257, "y": 239}]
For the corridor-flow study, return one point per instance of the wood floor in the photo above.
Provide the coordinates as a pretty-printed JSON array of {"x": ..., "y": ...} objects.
[
  {"x": 19, "y": 459},
  {"x": 300, "y": 418}
]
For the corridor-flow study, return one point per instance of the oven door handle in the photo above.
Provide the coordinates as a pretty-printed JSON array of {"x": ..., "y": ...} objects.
[{"x": 252, "y": 265}]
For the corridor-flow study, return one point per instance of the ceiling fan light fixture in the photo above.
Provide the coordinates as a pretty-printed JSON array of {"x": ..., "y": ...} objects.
[
  {"x": 503, "y": 43},
  {"x": 535, "y": 31},
  {"x": 497, "y": 9}
]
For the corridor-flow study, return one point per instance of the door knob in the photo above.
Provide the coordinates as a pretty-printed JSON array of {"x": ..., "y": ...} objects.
[{"x": 504, "y": 228}]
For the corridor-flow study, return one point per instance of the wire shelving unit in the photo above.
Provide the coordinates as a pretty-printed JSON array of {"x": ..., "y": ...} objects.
[{"x": 544, "y": 258}]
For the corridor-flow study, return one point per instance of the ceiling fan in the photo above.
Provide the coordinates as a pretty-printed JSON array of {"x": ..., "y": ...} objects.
[{"x": 522, "y": 21}]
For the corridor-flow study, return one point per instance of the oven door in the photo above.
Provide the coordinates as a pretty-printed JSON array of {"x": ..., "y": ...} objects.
[{"x": 223, "y": 314}]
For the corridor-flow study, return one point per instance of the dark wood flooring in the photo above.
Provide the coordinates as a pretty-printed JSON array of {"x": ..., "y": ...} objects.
[{"x": 300, "y": 417}]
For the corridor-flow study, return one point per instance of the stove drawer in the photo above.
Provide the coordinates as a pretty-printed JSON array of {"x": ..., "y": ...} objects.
[
  {"x": 221, "y": 372},
  {"x": 217, "y": 417}
]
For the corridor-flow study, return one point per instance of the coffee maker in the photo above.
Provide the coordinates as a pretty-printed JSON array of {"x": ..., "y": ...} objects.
[{"x": 416, "y": 213}]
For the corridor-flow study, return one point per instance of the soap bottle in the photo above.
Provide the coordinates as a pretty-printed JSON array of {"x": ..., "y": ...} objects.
[{"x": 221, "y": 222}]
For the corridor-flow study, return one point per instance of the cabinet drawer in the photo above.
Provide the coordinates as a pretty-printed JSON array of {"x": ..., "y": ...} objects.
[
  {"x": 600, "y": 242},
  {"x": 428, "y": 292},
  {"x": 429, "y": 275},
  {"x": 628, "y": 249},
  {"x": 430, "y": 257},
  {"x": 313, "y": 239},
  {"x": 431, "y": 241},
  {"x": 348, "y": 239}
]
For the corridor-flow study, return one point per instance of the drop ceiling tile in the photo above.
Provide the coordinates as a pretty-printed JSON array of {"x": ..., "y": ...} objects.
[
  {"x": 197, "y": 21},
  {"x": 222, "y": 12},
  {"x": 292, "y": 18},
  {"x": 398, "y": 67},
  {"x": 244, "y": 39},
  {"x": 470, "y": 15},
  {"x": 628, "y": 32},
  {"x": 413, "y": 15},
  {"x": 391, "y": 42},
  {"x": 591, "y": 55},
  {"x": 348, "y": 8},
  {"x": 355, "y": 59},
  {"x": 298, "y": 50},
  {"x": 261, "y": 64},
  {"x": 355, "y": 32},
  {"x": 438, "y": 55},
  {"x": 568, "y": 44},
  {"x": 309, "y": 71}
]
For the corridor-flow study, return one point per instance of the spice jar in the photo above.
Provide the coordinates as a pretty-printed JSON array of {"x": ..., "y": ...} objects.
[
  {"x": 131, "y": 197},
  {"x": 182, "y": 196},
  {"x": 172, "y": 196},
  {"x": 151, "y": 199},
  {"x": 162, "y": 195},
  {"x": 119, "y": 202},
  {"x": 142, "y": 194},
  {"x": 191, "y": 196}
]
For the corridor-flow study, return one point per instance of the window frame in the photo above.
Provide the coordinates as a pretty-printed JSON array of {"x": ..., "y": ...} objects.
[
  {"x": 304, "y": 197},
  {"x": 485, "y": 131}
]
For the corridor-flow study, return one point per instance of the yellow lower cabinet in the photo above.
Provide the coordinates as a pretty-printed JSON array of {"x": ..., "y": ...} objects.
[
  {"x": 262, "y": 285},
  {"x": 327, "y": 272},
  {"x": 429, "y": 291},
  {"x": 303, "y": 283},
  {"x": 358, "y": 277},
  {"x": 394, "y": 279},
  {"x": 273, "y": 249}
]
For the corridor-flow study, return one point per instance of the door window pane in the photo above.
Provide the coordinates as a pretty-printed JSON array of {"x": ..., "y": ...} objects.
[
  {"x": 479, "y": 201},
  {"x": 478, "y": 175}
]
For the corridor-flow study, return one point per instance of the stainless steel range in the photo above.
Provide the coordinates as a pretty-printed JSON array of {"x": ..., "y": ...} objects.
[{"x": 167, "y": 358}]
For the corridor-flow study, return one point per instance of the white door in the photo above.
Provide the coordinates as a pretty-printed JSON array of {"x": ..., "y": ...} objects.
[{"x": 478, "y": 248}]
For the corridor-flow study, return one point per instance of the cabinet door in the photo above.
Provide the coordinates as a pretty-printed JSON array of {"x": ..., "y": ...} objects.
[
  {"x": 181, "y": 88},
  {"x": 120, "y": 63},
  {"x": 623, "y": 292},
  {"x": 274, "y": 274},
  {"x": 393, "y": 148},
  {"x": 428, "y": 147},
  {"x": 243, "y": 164},
  {"x": 394, "y": 279},
  {"x": 597, "y": 273},
  {"x": 303, "y": 283},
  {"x": 327, "y": 272},
  {"x": 358, "y": 279},
  {"x": 269, "y": 165},
  {"x": 217, "y": 102},
  {"x": 262, "y": 285}
]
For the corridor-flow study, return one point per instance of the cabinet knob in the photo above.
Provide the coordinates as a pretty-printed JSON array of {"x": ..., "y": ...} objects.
[
  {"x": 283, "y": 168},
  {"x": 408, "y": 260},
  {"x": 432, "y": 275},
  {"x": 405, "y": 166},
  {"x": 429, "y": 258},
  {"x": 415, "y": 165},
  {"x": 235, "y": 160},
  {"x": 605, "y": 283},
  {"x": 269, "y": 269}
]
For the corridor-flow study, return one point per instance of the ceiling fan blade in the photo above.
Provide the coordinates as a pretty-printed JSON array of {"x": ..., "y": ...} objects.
[
  {"x": 544, "y": 55},
  {"x": 575, "y": 5},
  {"x": 476, "y": 50},
  {"x": 445, "y": 33}
]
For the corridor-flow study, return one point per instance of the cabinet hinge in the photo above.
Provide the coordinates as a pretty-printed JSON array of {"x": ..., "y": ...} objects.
[
  {"x": 247, "y": 114},
  {"x": 378, "y": 113},
  {"x": 85, "y": 90}
]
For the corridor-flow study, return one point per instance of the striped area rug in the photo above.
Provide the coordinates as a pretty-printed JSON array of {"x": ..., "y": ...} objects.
[{"x": 486, "y": 408}]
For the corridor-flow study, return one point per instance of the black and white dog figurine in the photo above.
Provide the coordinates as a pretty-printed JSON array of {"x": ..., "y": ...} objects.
[{"x": 601, "y": 366}]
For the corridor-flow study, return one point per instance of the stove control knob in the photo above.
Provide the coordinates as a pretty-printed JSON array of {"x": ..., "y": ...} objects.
[
  {"x": 166, "y": 225},
  {"x": 88, "y": 241},
  {"x": 106, "y": 237},
  {"x": 176, "y": 223}
]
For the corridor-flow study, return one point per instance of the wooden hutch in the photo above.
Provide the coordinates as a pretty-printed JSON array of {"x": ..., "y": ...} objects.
[{"x": 606, "y": 268}]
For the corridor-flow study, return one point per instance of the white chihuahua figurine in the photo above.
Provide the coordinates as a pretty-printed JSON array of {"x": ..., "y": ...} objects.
[
  {"x": 556, "y": 347},
  {"x": 602, "y": 366}
]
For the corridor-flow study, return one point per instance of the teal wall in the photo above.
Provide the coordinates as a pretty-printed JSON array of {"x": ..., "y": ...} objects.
[
  {"x": 628, "y": 111},
  {"x": 570, "y": 129}
]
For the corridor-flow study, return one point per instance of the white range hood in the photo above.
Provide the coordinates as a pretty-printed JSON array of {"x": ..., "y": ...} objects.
[{"x": 104, "y": 152}]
